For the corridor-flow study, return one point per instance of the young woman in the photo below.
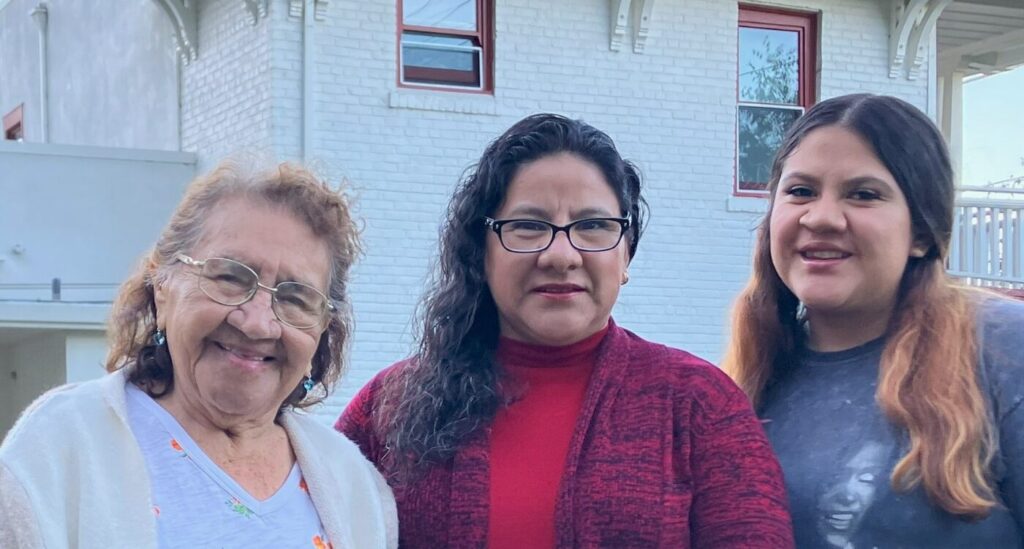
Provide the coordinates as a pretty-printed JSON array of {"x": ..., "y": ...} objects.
[{"x": 891, "y": 394}]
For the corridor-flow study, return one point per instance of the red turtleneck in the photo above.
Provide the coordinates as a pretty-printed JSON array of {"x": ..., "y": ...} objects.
[{"x": 530, "y": 439}]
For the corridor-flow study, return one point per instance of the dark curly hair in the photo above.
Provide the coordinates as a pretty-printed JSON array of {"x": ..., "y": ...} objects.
[
  {"x": 451, "y": 387},
  {"x": 291, "y": 187}
]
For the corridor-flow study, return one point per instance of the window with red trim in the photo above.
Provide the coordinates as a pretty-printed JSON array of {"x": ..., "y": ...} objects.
[
  {"x": 446, "y": 44},
  {"x": 776, "y": 84},
  {"x": 14, "y": 128}
]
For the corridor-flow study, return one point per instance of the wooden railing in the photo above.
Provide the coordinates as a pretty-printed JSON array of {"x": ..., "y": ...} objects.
[{"x": 988, "y": 237}]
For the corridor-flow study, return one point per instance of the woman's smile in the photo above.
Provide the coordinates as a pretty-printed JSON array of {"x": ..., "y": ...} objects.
[
  {"x": 559, "y": 292},
  {"x": 249, "y": 358}
]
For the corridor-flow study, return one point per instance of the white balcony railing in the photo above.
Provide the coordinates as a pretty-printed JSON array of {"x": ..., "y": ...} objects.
[{"x": 988, "y": 237}]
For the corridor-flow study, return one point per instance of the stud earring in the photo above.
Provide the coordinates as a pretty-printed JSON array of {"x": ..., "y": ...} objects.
[
  {"x": 159, "y": 339},
  {"x": 308, "y": 384}
]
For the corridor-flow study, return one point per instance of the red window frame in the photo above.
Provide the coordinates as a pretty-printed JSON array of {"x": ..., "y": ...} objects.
[
  {"x": 14, "y": 126},
  {"x": 805, "y": 24},
  {"x": 483, "y": 36}
]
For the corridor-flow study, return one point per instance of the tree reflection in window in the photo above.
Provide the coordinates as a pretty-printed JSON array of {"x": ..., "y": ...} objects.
[{"x": 769, "y": 92}]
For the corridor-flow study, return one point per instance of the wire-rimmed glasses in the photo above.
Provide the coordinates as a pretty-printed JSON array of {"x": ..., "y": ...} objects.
[
  {"x": 594, "y": 234},
  {"x": 231, "y": 283}
]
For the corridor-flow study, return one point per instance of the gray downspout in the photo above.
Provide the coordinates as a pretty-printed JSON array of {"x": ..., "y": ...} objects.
[
  {"x": 307, "y": 78},
  {"x": 179, "y": 71},
  {"x": 40, "y": 15}
]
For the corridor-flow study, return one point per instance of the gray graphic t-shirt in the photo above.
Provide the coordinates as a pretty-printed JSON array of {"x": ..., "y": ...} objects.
[{"x": 837, "y": 449}]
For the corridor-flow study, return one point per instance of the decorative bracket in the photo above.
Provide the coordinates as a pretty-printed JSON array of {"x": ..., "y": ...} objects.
[
  {"x": 296, "y": 7},
  {"x": 184, "y": 15},
  {"x": 256, "y": 9},
  {"x": 620, "y": 18},
  {"x": 643, "y": 25},
  {"x": 918, "y": 47},
  {"x": 912, "y": 25}
]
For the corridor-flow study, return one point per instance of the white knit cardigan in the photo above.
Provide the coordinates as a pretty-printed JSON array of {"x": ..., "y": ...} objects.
[{"x": 72, "y": 475}]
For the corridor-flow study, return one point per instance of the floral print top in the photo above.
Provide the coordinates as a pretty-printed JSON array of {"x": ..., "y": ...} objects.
[{"x": 196, "y": 504}]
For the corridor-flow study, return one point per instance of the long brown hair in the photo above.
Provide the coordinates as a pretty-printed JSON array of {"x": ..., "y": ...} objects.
[{"x": 928, "y": 379}]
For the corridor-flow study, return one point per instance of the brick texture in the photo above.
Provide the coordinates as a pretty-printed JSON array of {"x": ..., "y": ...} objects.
[{"x": 670, "y": 109}]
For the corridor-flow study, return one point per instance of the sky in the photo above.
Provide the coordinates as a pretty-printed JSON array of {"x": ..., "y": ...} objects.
[{"x": 993, "y": 128}]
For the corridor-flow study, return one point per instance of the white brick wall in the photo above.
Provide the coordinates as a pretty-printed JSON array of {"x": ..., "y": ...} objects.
[
  {"x": 286, "y": 81},
  {"x": 670, "y": 109},
  {"x": 856, "y": 51},
  {"x": 226, "y": 97}
]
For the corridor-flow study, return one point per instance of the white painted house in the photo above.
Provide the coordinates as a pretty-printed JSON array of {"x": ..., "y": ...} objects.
[{"x": 118, "y": 103}]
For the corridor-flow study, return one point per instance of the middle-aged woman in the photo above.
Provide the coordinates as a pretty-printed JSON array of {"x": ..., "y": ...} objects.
[
  {"x": 237, "y": 318},
  {"x": 892, "y": 395},
  {"x": 528, "y": 418}
]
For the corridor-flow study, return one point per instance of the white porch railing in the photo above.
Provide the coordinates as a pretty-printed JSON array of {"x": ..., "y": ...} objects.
[{"x": 988, "y": 237}]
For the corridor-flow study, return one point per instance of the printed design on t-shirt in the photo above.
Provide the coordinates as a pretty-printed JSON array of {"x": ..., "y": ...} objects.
[
  {"x": 177, "y": 448},
  {"x": 239, "y": 507},
  {"x": 321, "y": 543},
  {"x": 846, "y": 498}
]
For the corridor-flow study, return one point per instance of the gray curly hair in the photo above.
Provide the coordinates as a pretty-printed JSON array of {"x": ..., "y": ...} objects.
[{"x": 295, "y": 189}]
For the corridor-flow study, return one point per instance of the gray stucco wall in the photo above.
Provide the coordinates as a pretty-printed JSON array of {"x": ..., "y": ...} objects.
[
  {"x": 112, "y": 70},
  {"x": 19, "y": 64},
  {"x": 82, "y": 214}
]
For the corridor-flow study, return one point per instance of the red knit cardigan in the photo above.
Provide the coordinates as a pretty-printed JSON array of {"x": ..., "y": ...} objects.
[{"x": 666, "y": 453}]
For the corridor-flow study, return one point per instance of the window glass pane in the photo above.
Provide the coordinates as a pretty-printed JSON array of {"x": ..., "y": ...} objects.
[
  {"x": 438, "y": 52},
  {"x": 445, "y": 14},
  {"x": 761, "y": 131},
  {"x": 440, "y": 60},
  {"x": 769, "y": 66}
]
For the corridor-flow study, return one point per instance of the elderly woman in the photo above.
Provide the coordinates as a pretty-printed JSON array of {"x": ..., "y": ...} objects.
[
  {"x": 528, "y": 418},
  {"x": 236, "y": 320},
  {"x": 891, "y": 393}
]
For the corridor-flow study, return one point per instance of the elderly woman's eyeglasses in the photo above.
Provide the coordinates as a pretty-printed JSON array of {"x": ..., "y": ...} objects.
[
  {"x": 523, "y": 236},
  {"x": 229, "y": 282}
]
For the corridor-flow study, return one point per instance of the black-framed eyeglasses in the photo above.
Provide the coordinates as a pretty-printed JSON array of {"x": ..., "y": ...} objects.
[
  {"x": 229, "y": 282},
  {"x": 594, "y": 234}
]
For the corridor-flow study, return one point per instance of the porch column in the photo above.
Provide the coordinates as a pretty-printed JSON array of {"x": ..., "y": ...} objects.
[{"x": 951, "y": 118}]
